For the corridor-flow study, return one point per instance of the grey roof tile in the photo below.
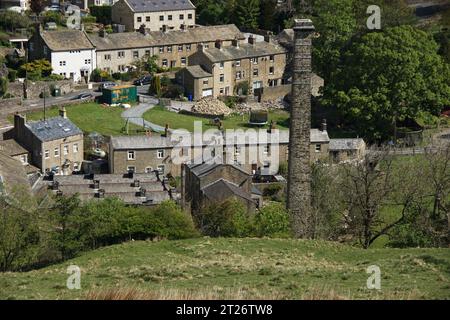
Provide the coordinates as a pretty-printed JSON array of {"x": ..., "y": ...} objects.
[
  {"x": 53, "y": 128},
  {"x": 159, "y": 5}
]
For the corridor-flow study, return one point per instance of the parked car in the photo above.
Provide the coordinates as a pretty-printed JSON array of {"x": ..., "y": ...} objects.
[
  {"x": 106, "y": 84},
  {"x": 143, "y": 80},
  {"x": 83, "y": 96}
]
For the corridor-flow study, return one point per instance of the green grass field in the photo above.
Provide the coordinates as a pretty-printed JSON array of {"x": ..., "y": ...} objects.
[
  {"x": 160, "y": 116},
  {"x": 90, "y": 117},
  {"x": 241, "y": 269}
]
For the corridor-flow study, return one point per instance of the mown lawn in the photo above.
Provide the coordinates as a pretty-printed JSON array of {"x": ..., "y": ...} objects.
[
  {"x": 241, "y": 269},
  {"x": 161, "y": 116},
  {"x": 90, "y": 117}
]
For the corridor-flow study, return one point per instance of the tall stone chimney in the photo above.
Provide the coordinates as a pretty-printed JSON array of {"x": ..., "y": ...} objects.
[
  {"x": 63, "y": 112},
  {"x": 299, "y": 178}
]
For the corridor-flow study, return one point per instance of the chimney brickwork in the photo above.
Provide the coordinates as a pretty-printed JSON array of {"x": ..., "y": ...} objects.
[{"x": 299, "y": 177}]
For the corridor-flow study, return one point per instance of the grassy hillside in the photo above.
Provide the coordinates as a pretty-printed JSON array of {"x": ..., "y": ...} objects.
[{"x": 239, "y": 268}]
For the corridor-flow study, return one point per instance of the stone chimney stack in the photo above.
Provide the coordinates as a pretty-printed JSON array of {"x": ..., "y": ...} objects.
[
  {"x": 235, "y": 42},
  {"x": 63, "y": 112},
  {"x": 219, "y": 44},
  {"x": 102, "y": 33},
  {"x": 166, "y": 130},
  {"x": 142, "y": 29},
  {"x": 299, "y": 177},
  {"x": 251, "y": 39},
  {"x": 324, "y": 125},
  {"x": 200, "y": 47}
]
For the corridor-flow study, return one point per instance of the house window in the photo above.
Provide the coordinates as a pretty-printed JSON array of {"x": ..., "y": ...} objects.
[
  {"x": 180, "y": 48},
  {"x": 222, "y": 78},
  {"x": 221, "y": 91},
  {"x": 160, "y": 154},
  {"x": 147, "y": 53},
  {"x": 238, "y": 75},
  {"x": 189, "y": 15},
  {"x": 75, "y": 148},
  {"x": 121, "y": 67},
  {"x": 139, "y": 19},
  {"x": 76, "y": 166},
  {"x": 183, "y": 61},
  {"x": 181, "y": 16},
  {"x": 24, "y": 159},
  {"x": 121, "y": 54},
  {"x": 266, "y": 149},
  {"x": 148, "y": 170},
  {"x": 237, "y": 150},
  {"x": 188, "y": 47},
  {"x": 206, "y": 46},
  {"x": 161, "y": 168},
  {"x": 266, "y": 164},
  {"x": 131, "y": 155},
  {"x": 205, "y": 82},
  {"x": 62, "y": 63},
  {"x": 169, "y": 17},
  {"x": 107, "y": 57},
  {"x": 161, "y": 18},
  {"x": 169, "y": 49},
  {"x": 147, "y": 19},
  {"x": 255, "y": 72},
  {"x": 271, "y": 70},
  {"x": 87, "y": 61},
  {"x": 131, "y": 169},
  {"x": 161, "y": 49},
  {"x": 221, "y": 65},
  {"x": 46, "y": 154},
  {"x": 318, "y": 147},
  {"x": 238, "y": 63},
  {"x": 135, "y": 54},
  {"x": 66, "y": 150},
  {"x": 272, "y": 58},
  {"x": 165, "y": 63},
  {"x": 255, "y": 60},
  {"x": 56, "y": 152}
]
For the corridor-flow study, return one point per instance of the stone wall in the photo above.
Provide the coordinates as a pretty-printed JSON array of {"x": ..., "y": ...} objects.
[
  {"x": 35, "y": 88},
  {"x": 272, "y": 93}
]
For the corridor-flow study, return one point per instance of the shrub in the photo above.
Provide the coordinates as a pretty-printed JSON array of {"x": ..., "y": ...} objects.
[
  {"x": 116, "y": 75},
  {"x": 283, "y": 168},
  {"x": 125, "y": 76},
  {"x": 273, "y": 221},
  {"x": 12, "y": 75},
  {"x": 173, "y": 91},
  {"x": 226, "y": 219},
  {"x": 3, "y": 86},
  {"x": 273, "y": 191}
]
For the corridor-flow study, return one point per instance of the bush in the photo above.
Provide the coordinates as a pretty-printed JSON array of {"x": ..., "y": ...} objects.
[
  {"x": 125, "y": 76},
  {"x": 3, "y": 86},
  {"x": 226, "y": 219},
  {"x": 89, "y": 19},
  {"x": 273, "y": 221},
  {"x": 102, "y": 13},
  {"x": 12, "y": 75},
  {"x": 116, "y": 75},
  {"x": 173, "y": 91},
  {"x": 283, "y": 168}
]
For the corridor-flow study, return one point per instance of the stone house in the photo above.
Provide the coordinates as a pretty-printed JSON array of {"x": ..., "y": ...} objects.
[
  {"x": 55, "y": 144},
  {"x": 14, "y": 150},
  {"x": 205, "y": 184},
  {"x": 154, "y": 14},
  {"x": 254, "y": 64},
  {"x": 117, "y": 52},
  {"x": 12, "y": 175},
  {"x": 343, "y": 150},
  {"x": 257, "y": 152},
  {"x": 70, "y": 52}
]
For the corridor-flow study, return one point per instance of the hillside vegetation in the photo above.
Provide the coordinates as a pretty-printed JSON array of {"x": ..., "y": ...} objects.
[{"x": 241, "y": 269}]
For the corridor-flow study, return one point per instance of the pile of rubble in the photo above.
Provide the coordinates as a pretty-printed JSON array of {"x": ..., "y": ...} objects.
[
  {"x": 265, "y": 105},
  {"x": 211, "y": 106}
]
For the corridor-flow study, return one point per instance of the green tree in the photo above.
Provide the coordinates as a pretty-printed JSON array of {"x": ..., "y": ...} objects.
[
  {"x": 37, "y": 69},
  {"x": 267, "y": 17},
  {"x": 19, "y": 232},
  {"x": 11, "y": 21},
  {"x": 155, "y": 87},
  {"x": 37, "y": 6},
  {"x": 388, "y": 76},
  {"x": 247, "y": 13}
]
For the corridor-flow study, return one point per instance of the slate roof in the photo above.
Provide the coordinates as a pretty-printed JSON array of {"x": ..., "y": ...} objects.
[
  {"x": 53, "y": 129},
  {"x": 223, "y": 189},
  {"x": 66, "y": 40},
  {"x": 12, "y": 174},
  {"x": 206, "y": 168},
  {"x": 156, "y": 141},
  {"x": 159, "y": 5},
  {"x": 128, "y": 40},
  {"x": 345, "y": 144},
  {"x": 197, "y": 72},
  {"x": 246, "y": 50},
  {"x": 12, "y": 148}
]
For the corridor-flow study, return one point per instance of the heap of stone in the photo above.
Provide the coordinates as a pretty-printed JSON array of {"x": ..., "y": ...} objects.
[
  {"x": 211, "y": 106},
  {"x": 265, "y": 105}
]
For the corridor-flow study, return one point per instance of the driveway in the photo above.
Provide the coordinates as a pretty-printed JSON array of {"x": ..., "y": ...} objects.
[{"x": 135, "y": 115}]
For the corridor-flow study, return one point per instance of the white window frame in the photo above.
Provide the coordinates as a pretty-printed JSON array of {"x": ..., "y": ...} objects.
[
  {"x": 131, "y": 155},
  {"x": 160, "y": 154},
  {"x": 66, "y": 149},
  {"x": 75, "y": 148},
  {"x": 46, "y": 154},
  {"x": 56, "y": 152},
  {"x": 163, "y": 171}
]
